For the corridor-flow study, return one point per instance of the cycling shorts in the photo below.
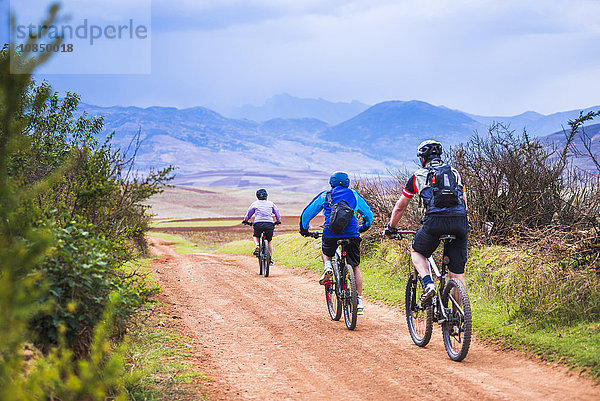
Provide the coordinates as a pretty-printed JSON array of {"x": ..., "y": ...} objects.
[
  {"x": 264, "y": 227},
  {"x": 427, "y": 239},
  {"x": 329, "y": 245}
]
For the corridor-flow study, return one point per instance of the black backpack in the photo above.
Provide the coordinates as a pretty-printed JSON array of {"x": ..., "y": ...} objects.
[
  {"x": 341, "y": 214},
  {"x": 444, "y": 186}
]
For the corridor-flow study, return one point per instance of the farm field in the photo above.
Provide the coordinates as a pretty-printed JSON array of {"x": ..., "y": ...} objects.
[{"x": 185, "y": 202}]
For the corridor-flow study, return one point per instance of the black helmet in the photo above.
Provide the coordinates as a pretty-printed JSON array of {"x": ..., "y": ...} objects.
[
  {"x": 262, "y": 194},
  {"x": 429, "y": 149},
  {"x": 339, "y": 178}
]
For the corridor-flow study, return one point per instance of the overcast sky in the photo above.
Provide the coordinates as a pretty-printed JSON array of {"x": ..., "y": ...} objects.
[{"x": 488, "y": 57}]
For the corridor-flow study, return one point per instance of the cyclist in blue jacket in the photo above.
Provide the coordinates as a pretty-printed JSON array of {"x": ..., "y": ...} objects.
[{"x": 340, "y": 191}]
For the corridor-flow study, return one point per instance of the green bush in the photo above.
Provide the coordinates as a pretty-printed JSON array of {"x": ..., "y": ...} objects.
[
  {"x": 80, "y": 274},
  {"x": 75, "y": 178},
  {"x": 56, "y": 276}
]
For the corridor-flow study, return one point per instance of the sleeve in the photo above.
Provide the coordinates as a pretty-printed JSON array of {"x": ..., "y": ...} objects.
[
  {"x": 313, "y": 208},
  {"x": 461, "y": 185},
  {"x": 410, "y": 189},
  {"x": 250, "y": 212},
  {"x": 364, "y": 209},
  {"x": 276, "y": 213}
]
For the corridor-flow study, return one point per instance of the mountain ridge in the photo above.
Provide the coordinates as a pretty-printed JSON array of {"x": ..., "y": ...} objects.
[{"x": 379, "y": 139}]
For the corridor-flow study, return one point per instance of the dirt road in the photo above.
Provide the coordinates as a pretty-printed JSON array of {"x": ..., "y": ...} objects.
[{"x": 272, "y": 338}]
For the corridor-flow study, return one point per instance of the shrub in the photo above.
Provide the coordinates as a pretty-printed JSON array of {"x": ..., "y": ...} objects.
[
  {"x": 382, "y": 195},
  {"x": 511, "y": 182}
]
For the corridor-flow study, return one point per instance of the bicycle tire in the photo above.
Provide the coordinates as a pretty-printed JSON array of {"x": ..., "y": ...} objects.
[
  {"x": 418, "y": 318},
  {"x": 457, "y": 329},
  {"x": 267, "y": 259},
  {"x": 334, "y": 304},
  {"x": 349, "y": 300},
  {"x": 260, "y": 263}
]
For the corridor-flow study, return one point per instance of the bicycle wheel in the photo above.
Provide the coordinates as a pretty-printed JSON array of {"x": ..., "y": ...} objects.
[
  {"x": 418, "y": 318},
  {"x": 267, "y": 259},
  {"x": 334, "y": 305},
  {"x": 260, "y": 261},
  {"x": 349, "y": 297},
  {"x": 457, "y": 329}
]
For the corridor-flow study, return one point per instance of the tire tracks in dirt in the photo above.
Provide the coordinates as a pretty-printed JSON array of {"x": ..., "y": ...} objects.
[{"x": 266, "y": 338}]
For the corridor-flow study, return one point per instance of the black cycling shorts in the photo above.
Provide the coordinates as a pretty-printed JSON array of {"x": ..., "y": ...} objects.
[
  {"x": 329, "y": 245},
  {"x": 264, "y": 227},
  {"x": 427, "y": 239}
]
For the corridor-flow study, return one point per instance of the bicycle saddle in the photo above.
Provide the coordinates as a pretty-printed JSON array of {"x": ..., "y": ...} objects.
[{"x": 447, "y": 237}]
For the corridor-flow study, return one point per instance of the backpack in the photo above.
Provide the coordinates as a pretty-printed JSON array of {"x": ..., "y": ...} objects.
[
  {"x": 444, "y": 186},
  {"x": 341, "y": 214}
]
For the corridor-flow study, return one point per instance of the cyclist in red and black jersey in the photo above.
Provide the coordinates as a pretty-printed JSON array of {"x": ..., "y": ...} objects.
[{"x": 438, "y": 221}]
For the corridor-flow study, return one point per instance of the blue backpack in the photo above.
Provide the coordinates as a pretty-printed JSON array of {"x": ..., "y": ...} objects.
[{"x": 341, "y": 215}]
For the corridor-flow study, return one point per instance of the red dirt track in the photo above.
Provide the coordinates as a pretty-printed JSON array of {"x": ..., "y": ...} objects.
[{"x": 272, "y": 338}]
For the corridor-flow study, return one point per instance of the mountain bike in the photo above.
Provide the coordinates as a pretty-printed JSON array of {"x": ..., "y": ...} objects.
[
  {"x": 264, "y": 256},
  {"x": 341, "y": 294},
  {"x": 450, "y": 307}
]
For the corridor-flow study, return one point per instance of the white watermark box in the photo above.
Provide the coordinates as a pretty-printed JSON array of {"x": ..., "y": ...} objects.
[{"x": 107, "y": 37}]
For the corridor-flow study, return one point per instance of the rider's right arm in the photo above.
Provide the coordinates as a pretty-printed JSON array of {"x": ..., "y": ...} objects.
[
  {"x": 276, "y": 213},
  {"x": 410, "y": 190},
  {"x": 313, "y": 209},
  {"x": 399, "y": 209},
  {"x": 250, "y": 212}
]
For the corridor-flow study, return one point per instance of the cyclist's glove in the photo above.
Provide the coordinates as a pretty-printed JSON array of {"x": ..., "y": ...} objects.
[
  {"x": 245, "y": 222},
  {"x": 277, "y": 222},
  {"x": 304, "y": 232},
  {"x": 390, "y": 231}
]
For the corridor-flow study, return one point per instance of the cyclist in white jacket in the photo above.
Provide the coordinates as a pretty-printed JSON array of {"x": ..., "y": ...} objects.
[{"x": 263, "y": 211}]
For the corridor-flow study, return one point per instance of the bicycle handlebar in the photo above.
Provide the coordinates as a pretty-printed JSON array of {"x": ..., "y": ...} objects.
[
  {"x": 314, "y": 234},
  {"x": 398, "y": 234}
]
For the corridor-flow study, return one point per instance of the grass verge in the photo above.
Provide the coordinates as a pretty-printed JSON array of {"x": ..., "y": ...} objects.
[
  {"x": 196, "y": 241},
  {"x": 182, "y": 245},
  {"x": 160, "y": 359}
]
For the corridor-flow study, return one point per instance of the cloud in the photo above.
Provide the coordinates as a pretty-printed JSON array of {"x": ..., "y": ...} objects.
[
  {"x": 481, "y": 56},
  {"x": 189, "y": 15}
]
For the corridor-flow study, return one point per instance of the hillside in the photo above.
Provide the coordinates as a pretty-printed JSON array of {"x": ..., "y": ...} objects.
[
  {"x": 592, "y": 132},
  {"x": 394, "y": 129},
  {"x": 536, "y": 124},
  {"x": 210, "y": 149}
]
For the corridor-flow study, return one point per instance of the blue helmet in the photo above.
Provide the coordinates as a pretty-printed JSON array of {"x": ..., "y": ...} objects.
[
  {"x": 339, "y": 178},
  {"x": 261, "y": 194}
]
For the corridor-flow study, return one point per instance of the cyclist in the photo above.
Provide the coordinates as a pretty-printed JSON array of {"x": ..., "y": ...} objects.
[
  {"x": 437, "y": 221},
  {"x": 340, "y": 191},
  {"x": 263, "y": 210}
]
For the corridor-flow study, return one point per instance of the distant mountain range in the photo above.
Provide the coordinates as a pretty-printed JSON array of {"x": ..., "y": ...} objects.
[
  {"x": 581, "y": 158},
  {"x": 286, "y": 106},
  {"x": 376, "y": 140}
]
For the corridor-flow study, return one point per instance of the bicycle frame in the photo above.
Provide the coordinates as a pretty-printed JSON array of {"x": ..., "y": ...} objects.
[
  {"x": 344, "y": 284},
  {"x": 340, "y": 287},
  {"x": 440, "y": 314}
]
